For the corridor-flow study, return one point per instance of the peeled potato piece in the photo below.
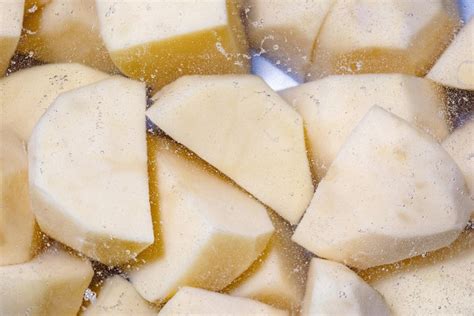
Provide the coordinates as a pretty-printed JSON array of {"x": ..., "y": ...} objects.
[
  {"x": 160, "y": 41},
  {"x": 193, "y": 301},
  {"x": 455, "y": 68},
  {"x": 28, "y": 93},
  {"x": 17, "y": 222},
  {"x": 118, "y": 297},
  {"x": 244, "y": 129},
  {"x": 11, "y": 19},
  {"x": 51, "y": 284},
  {"x": 391, "y": 193},
  {"x": 88, "y": 171},
  {"x": 208, "y": 231},
  {"x": 64, "y": 31},
  {"x": 367, "y": 36},
  {"x": 333, "y": 106}
]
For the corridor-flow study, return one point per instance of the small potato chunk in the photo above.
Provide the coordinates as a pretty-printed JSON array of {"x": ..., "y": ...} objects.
[
  {"x": 455, "y": 68},
  {"x": 118, "y": 297},
  {"x": 391, "y": 193},
  {"x": 244, "y": 129},
  {"x": 11, "y": 21},
  {"x": 160, "y": 41},
  {"x": 285, "y": 31},
  {"x": 88, "y": 171},
  {"x": 207, "y": 231},
  {"x": 333, "y": 106},
  {"x": 17, "y": 222},
  {"x": 193, "y": 301},
  {"x": 28, "y": 93},
  {"x": 334, "y": 289},
  {"x": 64, "y": 31},
  {"x": 51, "y": 284},
  {"x": 367, "y": 36}
]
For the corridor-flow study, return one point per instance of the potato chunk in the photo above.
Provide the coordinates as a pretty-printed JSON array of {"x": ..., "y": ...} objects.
[
  {"x": 17, "y": 222},
  {"x": 11, "y": 21},
  {"x": 367, "y": 36},
  {"x": 391, "y": 193},
  {"x": 160, "y": 41},
  {"x": 51, "y": 284},
  {"x": 193, "y": 301},
  {"x": 207, "y": 231},
  {"x": 244, "y": 129},
  {"x": 333, "y": 106},
  {"x": 88, "y": 171}
]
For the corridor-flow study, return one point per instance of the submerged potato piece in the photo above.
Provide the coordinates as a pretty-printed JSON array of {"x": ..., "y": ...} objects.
[
  {"x": 367, "y": 36},
  {"x": 11, "y": 19},
  {"x": 29, "y": 92},
  {"x": 88, "y": 171},
  {"x": 17, "y": 222},
  {"x": 51, "y": 284},
  {"x": 334, "y": 289},
  {"x": 455, "y": 68},
  {"x": 160, "y": 41},
  {"x": 207, "y": 231},
  {"x": 285, "y": 31},
  {"x": 244, "y": 129},
  {"x": 333, "y": 106},
  {"x": 391, "y": 193},
  {"x": 193, "y": 301},
  {"x": 64, "y": 31},
  {"x": 118, "y": 297}
]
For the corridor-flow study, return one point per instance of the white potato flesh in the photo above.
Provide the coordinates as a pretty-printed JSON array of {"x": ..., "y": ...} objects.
[
  {"x": 11, "y": 21},
  {"x": 17, "y": 222},
  {"x": 29, "y": 92},
  {"x": 334, "y": 289},
  {"x": 391, "y": 193},
  {"x": 51, "y": 284},
  {"x": 117, "y": 296},
  {"x": 194, "y": 301},
  {"x": 367, "y": 36},
  {"x": 207, "y": 231},
  {"x": 88, "y": 171},
  {"x": 238, "y": 124},
  {"x": 455, "y": 68},
  {"x": 333, "y": 106},
  {"x": 286, "y": 31}
]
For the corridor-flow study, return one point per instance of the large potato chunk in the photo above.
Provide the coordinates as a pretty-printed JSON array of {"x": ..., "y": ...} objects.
[
  {"x": 207, "y": 231},
  {"x": 17, "y": 222},
  {"x": 64, "y": 31},
  {"x": 391, "y": 193},
  {"x": 28, "y": 93},
  {"x": 334, "y": 289},
  {"x": 11, "y": 19},
  {"x": 159, "y": 41},
  {"x": 51, "y": 284},
  {"x": 333, "y": 106},
  {"x": 244, "y": 129},
  {"x": 88, "y": 171},
  {"x": 192, "y": 301},
  {"x": 367, "y": 36}
]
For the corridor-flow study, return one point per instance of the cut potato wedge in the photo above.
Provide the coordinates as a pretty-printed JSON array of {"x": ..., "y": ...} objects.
[
  {"x": 193, "y": 301},
  {"x": 17, "y": 222},
  {"x": 28, "y": 93},
  {"x": 244, "y": 129},
  {"x": 391, "y": 193},
  {"x": 160, "y": 41},
  {"x": 334, "y": 289},
  {"x": 455, "y": 68},
  {"x": 51, "y": 284},
  {"x": 333, "y": 106},
  {"x": 207, "y": 231},
  {"x": 65, "y": 31},
  {"x": 367, "y": 36},
  {"x": 118, "y": 297},
  {"x": 11, "y": 20},
  {"x": 88, "y": 171}
]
